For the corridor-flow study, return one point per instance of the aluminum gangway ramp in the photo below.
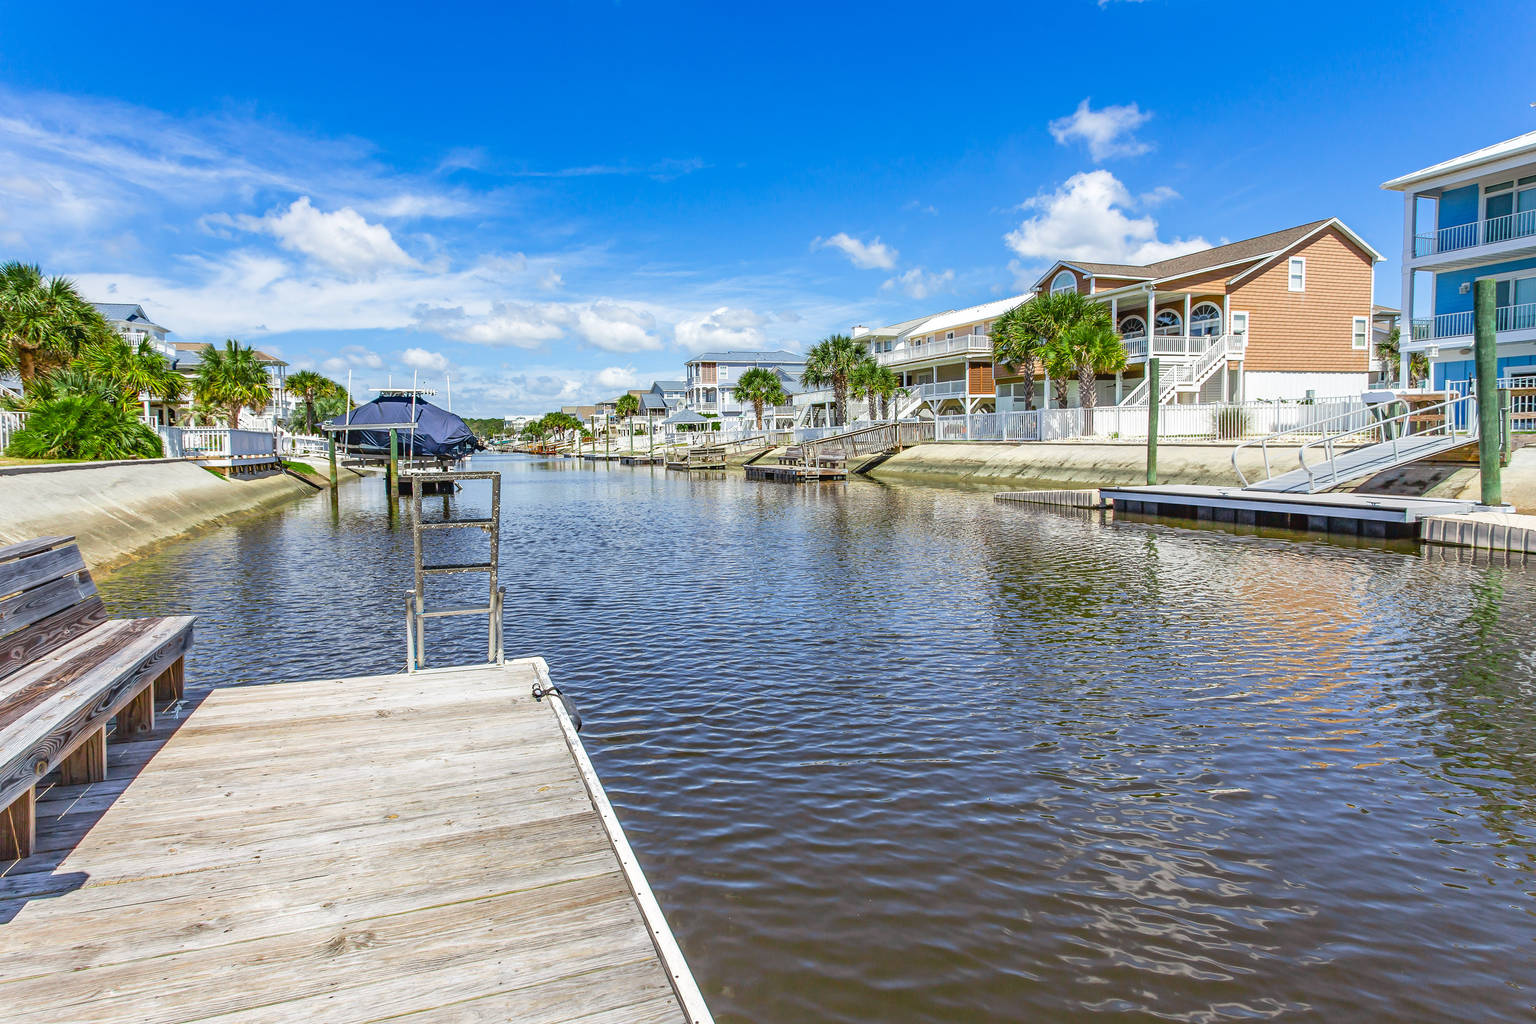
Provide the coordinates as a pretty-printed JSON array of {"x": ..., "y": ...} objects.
[{"x": 1361, "y": 444}]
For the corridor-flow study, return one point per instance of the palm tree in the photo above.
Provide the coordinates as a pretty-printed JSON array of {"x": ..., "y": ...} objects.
[
  {"x": 40, "y": 319},
  {"x": 1389, "y": 349},
  {"x": 1048, "y": 317},
  {"x": 625, "y": 408},
  {"x": 830, "y": 363},
  {"x": 1086, "y": 349},
  {"x": 232, "y": 379},
  {"x": 1015, "y": 343},
  {"x": 760, "y": 386},
  {"x": 131, "y": 370},
  {"x": 864, "y": 382},
  {"x": 311, "y": 387},
  {"x": 887, "y": 385}
]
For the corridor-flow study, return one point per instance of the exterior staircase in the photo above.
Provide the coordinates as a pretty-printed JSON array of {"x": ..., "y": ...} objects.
[{"x": 1185, "y": 376}]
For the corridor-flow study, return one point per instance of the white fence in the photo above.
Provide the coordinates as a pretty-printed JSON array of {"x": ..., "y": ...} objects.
[
  {"x": 301, "y": 444},
  {"x": 10, "y": 422},
  {"x": 216, "y": 442},
  {"x": 1213, "y": 422}
]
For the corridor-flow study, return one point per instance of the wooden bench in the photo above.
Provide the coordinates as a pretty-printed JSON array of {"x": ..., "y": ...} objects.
[
  {"x": 832, "y": 458},
  {"x": 793, "y": 455},
  {"x": 66, "y": 671}
]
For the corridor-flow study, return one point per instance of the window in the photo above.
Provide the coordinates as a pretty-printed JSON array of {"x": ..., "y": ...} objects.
[
  {"x": 1133, "y": 327},
  {"x": 1065, "y": 281},
  {"x": 1360, "y": 336},
  {"x": 1205, "y": 320},
  {"x": 949, "y": 336},
  {"x": 1297, "y": 279},
  {"x": 1168, "y": 322}
]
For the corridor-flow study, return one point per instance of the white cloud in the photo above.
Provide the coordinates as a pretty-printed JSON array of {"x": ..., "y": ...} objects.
[
  {"x": 1108, "y": 131},
  {"x": 502, "y": 323},
  {"x": 342, "y": 240},
  {"x": 551, "y": 281},
  {"x": 421, "y": 359},
  {"x": 352, "y": 357},
  {"x": 1090, "y": 218},
  {"x": 621, "y": 378},
  {"x": 920, "y": 284},
  {"x": 721, "y": 328},
  {"x": 615, "y": 327},
  {"x": 864, "y": 255}
]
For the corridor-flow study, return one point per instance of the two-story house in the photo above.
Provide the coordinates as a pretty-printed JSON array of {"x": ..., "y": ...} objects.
[
  {"x": 1286, "y": 315},
  {"x": 1470, "y": 217},
  {"x": 133, "y": 323},
  {"x": 711, "y": 376},
  {"x": 188, "y": 356},
  {"x": 944, "y": 360}
]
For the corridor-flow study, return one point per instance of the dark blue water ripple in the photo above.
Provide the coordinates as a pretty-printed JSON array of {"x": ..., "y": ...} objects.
[{"x": 904, "y": 754}]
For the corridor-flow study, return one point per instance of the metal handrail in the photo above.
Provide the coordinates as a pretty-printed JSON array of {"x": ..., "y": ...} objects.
[
  {"x": 1263, "y": 442},
  {"x": 1377, "y": 426},
  {"x": 1393, "y": 436}
]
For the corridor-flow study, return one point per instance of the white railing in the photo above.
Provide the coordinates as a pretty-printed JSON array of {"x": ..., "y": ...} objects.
[
  {"x": 1168, "y": 346},
  {"x": 946, "y": 389},
  {"x": 10, "y": 422},
  {"x": 215, "y": 442},
  {"x": 1460, "y": 325},
  {"x": 906, "y": 352},
  {"x": 1204, "y": 422},
  {"x": 301, "y": 444},
  {"x": 1477, "y": 232}
]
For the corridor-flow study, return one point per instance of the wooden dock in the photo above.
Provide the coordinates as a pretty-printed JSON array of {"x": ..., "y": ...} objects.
[
  {"x": 432, "y": 846},
  {"x": 794, "y": 473}
]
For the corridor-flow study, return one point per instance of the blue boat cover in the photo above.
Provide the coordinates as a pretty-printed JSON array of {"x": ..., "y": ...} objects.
[{"x": 438, "y": 432}]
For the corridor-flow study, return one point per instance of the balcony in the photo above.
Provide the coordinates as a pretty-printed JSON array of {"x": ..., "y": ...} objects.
[
  {"x": 1168, "y": 346},
  {"x": 1465, "y": 245},
  {"x": 1459, "y": 325},
  {"x": 946, "y": 389},
  {"x": 977, "y": 345}
]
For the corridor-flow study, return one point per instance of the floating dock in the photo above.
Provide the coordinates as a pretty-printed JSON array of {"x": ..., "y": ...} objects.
[
  {"x": 1367, "y": 515},
  {"x": 794, "y": 474},
  {"x": 433, "y": 846},
  {"x": 1086, "y": 498}
]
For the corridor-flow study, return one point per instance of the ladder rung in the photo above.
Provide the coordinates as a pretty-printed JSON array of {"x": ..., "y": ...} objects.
[
  {"x": 484, "y": 524},
  {"x": 438, "y": 613},
  {"x": 459, "y": 567}
]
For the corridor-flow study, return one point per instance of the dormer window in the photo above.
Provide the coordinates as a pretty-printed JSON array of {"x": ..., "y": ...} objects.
[{"x": 1066, "y": 281}]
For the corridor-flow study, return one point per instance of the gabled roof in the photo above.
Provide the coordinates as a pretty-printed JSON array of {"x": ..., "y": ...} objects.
[
  {"x": 652, "y": 402},
  {"x": 126, "y": 312},
  {"x": 733, "y": 356},
  {"x": 1248, "y": 250},
  {"x": 969, "y": 315},
  {"x": 190, "y": 353},
  {"x": 1517, "y": 146},
  {"x": 669, "y": 385}
]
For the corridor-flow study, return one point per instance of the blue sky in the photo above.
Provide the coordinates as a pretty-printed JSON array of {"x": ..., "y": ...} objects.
[{"x": 552, "y": 202}]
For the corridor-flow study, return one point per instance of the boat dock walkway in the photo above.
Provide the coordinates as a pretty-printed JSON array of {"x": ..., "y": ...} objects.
[
  {"x": 1368, "y": 515},
  {"x": 433, "y": 846}
]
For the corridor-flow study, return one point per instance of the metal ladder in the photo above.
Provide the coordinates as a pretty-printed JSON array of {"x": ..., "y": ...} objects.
[{"x": 416, "y": 610}]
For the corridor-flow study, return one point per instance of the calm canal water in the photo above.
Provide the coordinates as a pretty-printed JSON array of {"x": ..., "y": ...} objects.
[{"x": 906, "y": 754}]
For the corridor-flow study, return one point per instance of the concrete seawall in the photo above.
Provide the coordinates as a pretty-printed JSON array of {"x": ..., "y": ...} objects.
[
  {"x": 1070, "y": 464},
  {"x": 120, "y": 511}
]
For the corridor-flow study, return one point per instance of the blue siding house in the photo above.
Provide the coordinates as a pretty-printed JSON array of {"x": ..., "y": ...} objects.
[{"x": 1464, "y": 219}]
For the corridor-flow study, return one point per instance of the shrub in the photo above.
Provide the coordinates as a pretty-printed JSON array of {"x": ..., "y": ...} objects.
[
  {"x": 1232, "y": 422},
  {"x": 76, "y": 426}
]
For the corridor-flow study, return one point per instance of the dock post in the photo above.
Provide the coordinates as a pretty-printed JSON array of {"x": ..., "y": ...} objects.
[
  {"x": 331, "y": 446},
  {"x": 1154, "y": 389},
  {"x": 1507, "y": 427},
  {"x": 1488, "y": 441},
  {"x": 392, "y": 479}
]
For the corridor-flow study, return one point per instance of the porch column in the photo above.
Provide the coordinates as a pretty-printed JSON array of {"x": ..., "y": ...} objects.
[
  {"x": 1226, "y": 375},
  {"x": 1186, "y": 322},
  {"x": 1046, "y": 404},
  {"x": 1119, "y": 386},
  {"x": 1114, "y": 312},
  {"x": 1151, "y": 318},
  {"x": 1404, "y": 358}
]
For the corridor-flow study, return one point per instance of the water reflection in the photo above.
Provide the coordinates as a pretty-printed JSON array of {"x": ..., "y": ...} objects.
[{"x": 904, "y": 754}]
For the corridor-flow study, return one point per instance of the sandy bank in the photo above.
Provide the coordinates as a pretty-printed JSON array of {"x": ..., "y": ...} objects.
[{"x": 120, "y": 511}]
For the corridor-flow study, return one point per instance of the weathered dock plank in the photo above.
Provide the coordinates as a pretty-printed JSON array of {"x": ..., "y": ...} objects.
[{"x": 431, "y": 845}]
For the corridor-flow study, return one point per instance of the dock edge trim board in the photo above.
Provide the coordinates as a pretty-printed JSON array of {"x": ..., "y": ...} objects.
[{"x": 667, "y": 949}]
